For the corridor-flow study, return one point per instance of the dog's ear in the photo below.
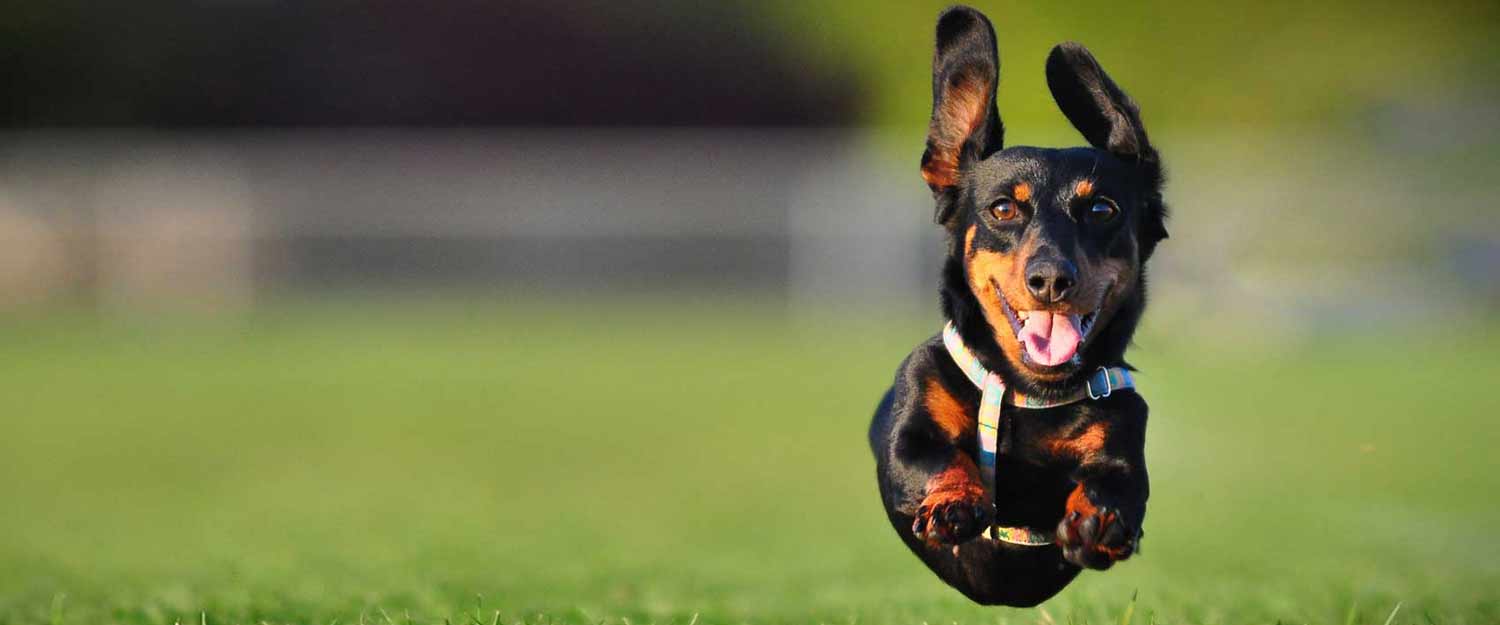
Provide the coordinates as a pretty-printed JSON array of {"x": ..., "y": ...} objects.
[
  {"x": 1108, "y": 118},
  {"x": 965, "y": 125},
  {"x": 1110, "y": 121}
]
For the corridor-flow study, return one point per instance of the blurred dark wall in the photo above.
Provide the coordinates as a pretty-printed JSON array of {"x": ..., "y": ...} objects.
[{"x": 394, "y": 63}]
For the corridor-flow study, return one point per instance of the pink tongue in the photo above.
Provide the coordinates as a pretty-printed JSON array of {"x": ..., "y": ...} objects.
[{"x": 1050, "y": 338}]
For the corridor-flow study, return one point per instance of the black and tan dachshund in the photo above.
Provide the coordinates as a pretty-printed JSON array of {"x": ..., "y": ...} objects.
[{"x": 1043, "y": 285}]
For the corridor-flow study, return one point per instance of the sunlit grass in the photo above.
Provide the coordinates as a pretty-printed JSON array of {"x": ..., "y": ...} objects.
[{"x": 605, "y": 461}]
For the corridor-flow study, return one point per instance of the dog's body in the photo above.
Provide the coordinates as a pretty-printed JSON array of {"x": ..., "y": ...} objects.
[{"x": 1044, "y": 283}]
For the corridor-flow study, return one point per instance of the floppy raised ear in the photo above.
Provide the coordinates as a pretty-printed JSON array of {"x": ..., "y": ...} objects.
[
  {"x": 1110, "y": 121},
  {"x": 1108, "y": 118},
  {"x": 965, "y": 124}
]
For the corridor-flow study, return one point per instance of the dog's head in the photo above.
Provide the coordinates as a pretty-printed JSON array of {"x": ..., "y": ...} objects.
[{"x": 1046, "y": 246}]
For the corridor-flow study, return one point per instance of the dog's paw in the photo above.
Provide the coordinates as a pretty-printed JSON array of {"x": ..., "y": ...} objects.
[
  {"x": 1096, "y": 537},
  {"x": 952, "y": 516}
]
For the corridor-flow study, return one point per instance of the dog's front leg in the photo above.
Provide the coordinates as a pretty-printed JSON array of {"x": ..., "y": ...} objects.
[
  {"x": 937, "y": 485},
  {"x": 1102, "y": 524},
  {"x": 1102, "y": 521}
]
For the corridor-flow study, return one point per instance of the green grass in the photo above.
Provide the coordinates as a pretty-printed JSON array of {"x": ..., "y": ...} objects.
[{"x": 621, "y": 462}]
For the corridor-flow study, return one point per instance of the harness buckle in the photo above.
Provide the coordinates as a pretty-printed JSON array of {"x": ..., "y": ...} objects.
[{"x": 1108, "y": 386}]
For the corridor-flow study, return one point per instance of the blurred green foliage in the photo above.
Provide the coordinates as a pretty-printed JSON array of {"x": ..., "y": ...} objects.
[
  {"x": 1187, "y": 63},
  {"x": 587, "y": 461}
]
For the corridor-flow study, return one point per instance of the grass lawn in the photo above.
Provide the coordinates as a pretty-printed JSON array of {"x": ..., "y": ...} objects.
[{"x": 621, "y": 462}]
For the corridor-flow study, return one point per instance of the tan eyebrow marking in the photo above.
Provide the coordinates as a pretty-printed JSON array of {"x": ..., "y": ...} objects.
[
  {"x": 1084, "y": 188},
  {"x": 1022, "y": 192}
]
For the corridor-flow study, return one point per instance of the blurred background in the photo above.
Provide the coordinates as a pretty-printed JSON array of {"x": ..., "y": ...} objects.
[{"x": 310, "y": 309}]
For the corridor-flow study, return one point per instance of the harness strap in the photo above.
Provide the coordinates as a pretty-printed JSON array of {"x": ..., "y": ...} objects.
[{"x": 1104, "y": 382}]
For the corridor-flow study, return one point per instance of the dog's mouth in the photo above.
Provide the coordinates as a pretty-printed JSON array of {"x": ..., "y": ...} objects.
[{"x": 1049, "y": 338}]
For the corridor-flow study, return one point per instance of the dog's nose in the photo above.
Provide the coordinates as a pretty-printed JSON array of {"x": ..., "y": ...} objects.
[{"x": 1050, "y": 279}]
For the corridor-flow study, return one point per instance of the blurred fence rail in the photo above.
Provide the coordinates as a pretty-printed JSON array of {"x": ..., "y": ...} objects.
[
  {"x": 135, "y": 218},
  {"x": 1295, "y": 231}
]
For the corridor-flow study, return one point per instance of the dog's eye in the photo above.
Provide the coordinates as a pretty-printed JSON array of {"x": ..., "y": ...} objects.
[
  {"x": 1005, "y": 210},
  {"x": 1101, "y": 212}
]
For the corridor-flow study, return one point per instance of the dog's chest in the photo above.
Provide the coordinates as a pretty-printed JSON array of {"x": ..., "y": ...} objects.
[
  {"x": 1037, "y": 454},
  {"x": 1059, "y": 436}
]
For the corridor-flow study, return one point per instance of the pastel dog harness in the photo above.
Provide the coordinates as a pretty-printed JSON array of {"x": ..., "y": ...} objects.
[{"x": 1104, "y": 382}]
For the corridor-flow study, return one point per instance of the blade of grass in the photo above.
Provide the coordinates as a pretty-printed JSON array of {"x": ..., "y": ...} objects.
[
  {"x": 1392, "y": 617},
  {"x": 1129, "y": 608},
  {"x": 57, "y": 608}
]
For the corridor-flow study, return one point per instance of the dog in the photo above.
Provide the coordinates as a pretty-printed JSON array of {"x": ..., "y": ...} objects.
[{"x": 1010, "y": 450}]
